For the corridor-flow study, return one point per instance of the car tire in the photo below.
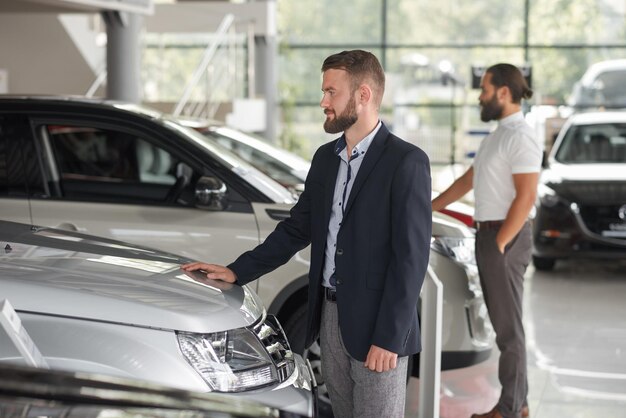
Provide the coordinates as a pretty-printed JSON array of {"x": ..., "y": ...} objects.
[{"x": 543, "y": 263}]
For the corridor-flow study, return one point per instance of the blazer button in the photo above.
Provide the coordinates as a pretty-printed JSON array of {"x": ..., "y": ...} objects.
[
  {"x": 339, "y": 251},
  {"x": 339, "y": 281}
]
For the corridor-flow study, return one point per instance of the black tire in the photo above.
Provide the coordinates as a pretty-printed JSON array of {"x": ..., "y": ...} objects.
[
  {"x": 295, "y": 328},
  {"x": 543, "y": 263}
]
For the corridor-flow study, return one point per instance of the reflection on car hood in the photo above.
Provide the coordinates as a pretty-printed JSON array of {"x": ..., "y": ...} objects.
[
  {"x": 585, "y": 172},
  {"x": 43, "y": 270},
  {"x": 447, "y": 226}
]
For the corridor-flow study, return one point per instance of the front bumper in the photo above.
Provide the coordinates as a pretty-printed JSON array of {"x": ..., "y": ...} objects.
[
  {"x": 296, "y": 396},
  {"x": 561, "y": 232}
]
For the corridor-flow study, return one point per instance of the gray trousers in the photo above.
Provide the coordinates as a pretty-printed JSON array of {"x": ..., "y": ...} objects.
[
  {"x": 502, "y": 281},
  {"x": 354, "y": 390}
]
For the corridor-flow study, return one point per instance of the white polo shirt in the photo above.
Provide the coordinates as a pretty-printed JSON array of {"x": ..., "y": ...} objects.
[{"x": 510, "y": 149}]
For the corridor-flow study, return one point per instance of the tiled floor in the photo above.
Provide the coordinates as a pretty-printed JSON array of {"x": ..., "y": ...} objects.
[{"x": 575, "y": 320}]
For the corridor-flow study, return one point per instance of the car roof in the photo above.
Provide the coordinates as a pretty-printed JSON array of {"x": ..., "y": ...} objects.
[
  {"x": 601, "y": 67},
  {"x": 82, "y": 101}
]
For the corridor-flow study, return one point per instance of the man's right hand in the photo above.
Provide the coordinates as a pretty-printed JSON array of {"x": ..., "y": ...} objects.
[{"x": 213, "y": 271}]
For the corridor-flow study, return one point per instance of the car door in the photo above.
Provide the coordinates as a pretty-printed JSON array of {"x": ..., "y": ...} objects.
[{"x": 123, "y": 182}]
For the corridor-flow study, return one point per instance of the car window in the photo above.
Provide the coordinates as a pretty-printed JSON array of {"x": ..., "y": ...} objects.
[
  {"x": 114, "y": 165},
  {"x": 107, "y": 155},
  {"x": 598, "y": 143}
]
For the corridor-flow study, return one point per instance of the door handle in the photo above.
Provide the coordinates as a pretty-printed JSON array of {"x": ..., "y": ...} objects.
[{"x": 67, "y": 226}]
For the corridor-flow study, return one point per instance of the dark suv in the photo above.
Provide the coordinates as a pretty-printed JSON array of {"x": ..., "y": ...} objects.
[{"x": 581, "y": 205}]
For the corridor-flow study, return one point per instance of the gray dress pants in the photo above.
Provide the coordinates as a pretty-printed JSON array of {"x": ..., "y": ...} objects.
[
  {"x": 502, "y": 281},
  {"x": 354, "y": 390}
]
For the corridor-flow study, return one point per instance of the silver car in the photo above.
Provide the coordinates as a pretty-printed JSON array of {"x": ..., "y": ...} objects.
[
  {"x": 103, "y": 306},
  {"x": 129, "y": 173}
]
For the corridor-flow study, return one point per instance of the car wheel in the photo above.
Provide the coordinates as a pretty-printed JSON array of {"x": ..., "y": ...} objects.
[{"x": 542, "y": 263}]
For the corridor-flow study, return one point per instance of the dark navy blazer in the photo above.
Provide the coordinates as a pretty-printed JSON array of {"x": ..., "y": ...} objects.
[{"x": 382, "y": 246}]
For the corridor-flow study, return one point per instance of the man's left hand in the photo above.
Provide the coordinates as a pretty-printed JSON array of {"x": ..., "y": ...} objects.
[{"x": 380, "y": 360}]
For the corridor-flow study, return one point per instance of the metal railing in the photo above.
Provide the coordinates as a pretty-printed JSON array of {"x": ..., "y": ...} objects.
[{"x": 212, "y": 77}]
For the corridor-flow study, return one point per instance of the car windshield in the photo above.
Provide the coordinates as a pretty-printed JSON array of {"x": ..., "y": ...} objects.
[
  {"x": 280, "y": 165},
  {"x": 590, "y": 144},
  {"x": 252, "y": 175}
]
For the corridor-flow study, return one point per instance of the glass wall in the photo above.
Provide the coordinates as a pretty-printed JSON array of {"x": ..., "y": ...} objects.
[{"x": 428, "y": 49}]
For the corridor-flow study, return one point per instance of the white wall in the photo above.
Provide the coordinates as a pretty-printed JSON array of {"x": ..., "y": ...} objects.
[{"x": 40, "y": 57}]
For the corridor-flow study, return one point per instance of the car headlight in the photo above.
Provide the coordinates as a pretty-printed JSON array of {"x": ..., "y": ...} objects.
[
  {"x": 459, "y": 249},
  {"x": 547, "y": 196},
  {"x": 241, "y": 359}
]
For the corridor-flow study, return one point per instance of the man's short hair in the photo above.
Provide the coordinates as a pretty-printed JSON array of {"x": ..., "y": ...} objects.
[
  {"x": 510, "y": 76},
  {"x": 361, "y": 66}
]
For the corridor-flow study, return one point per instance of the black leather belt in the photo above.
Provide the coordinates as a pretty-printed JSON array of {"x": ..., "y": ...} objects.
[
  {"x": 487, "y": 225},
  {"x": 330, "y": 294}
]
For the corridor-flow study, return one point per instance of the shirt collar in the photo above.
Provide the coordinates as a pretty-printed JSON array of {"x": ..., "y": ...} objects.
[
  {"x": 360, "y": 148},
  {"x": 513, "y": 118}
]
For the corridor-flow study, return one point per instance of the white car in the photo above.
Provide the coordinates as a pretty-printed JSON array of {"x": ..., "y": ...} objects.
[{"x": 129, "y": 173}]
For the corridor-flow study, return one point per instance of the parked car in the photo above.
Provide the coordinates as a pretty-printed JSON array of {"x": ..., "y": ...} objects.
[
  {"x": 581, "y": 205},
  {"x": 285, "y": 167},
  {"x": 602, "y": 85},
  {"x": 129, "y": 173},
  {"x": 104, "y": 306},
  {"x": 27, "y": 392}
]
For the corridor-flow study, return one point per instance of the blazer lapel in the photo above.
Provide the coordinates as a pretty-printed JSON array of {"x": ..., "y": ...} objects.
[
  {"x": 329, "y": 186},
  {"x": 372, "y": 156}
]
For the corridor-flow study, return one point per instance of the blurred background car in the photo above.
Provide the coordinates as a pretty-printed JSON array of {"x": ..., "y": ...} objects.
[
  {"x": 104, "y": 306},
  {"x": 601, "y": 86},
  {"x": 33, "y": 392},
  {"x": 285, "y": 167},
  {"x": 581, "y": 205},
  {"x": 130, "y": 173}
]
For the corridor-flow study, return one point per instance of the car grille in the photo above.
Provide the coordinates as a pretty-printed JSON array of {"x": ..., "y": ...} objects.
[
  {"x": 271, "y": 334},
  {"x": 600, "y": 203},
  {"x": 593, "y": 193},
  {"x": 604, "y": 220}
]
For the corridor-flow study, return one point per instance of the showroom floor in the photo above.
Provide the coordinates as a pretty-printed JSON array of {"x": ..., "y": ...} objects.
[{"x": 576, "y": 342}]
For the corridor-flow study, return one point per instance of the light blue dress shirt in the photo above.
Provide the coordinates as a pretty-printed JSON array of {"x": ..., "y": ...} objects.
[{"x": 348, "y": 170}]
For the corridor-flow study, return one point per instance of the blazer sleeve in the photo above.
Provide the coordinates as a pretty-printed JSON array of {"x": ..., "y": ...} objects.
[
  {"x": 411, "y": 228},
  {"x": 290, "y": 236}
]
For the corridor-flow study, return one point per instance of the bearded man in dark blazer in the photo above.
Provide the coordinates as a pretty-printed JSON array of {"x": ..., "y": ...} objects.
[{"x": 366, "y": 212}]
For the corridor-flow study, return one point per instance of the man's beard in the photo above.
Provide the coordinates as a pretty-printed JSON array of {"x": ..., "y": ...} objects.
[
  {"x": 342, "y": 122},
  {"x": 490, "y": 110}
]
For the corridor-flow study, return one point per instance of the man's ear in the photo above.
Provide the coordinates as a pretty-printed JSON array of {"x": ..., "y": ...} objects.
[
  {"x": 504, "y": 94},
  {"x": 365, "y": 94}
]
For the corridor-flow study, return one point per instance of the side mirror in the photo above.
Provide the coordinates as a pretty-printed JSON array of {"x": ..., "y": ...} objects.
[{"x": 211, "y": 194}]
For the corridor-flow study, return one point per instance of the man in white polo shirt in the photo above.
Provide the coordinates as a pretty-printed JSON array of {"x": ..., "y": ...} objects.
[{"x": 504, "y": 177}]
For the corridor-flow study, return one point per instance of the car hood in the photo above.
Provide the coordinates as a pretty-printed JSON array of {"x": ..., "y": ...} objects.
[
  {"x": 585, "y": 172},
  {"x": 53, "y": 272},
  {"x": 594, "y": 184}
]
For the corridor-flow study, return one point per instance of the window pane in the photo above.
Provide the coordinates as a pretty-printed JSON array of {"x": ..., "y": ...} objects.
[
  {"x": 330, "y": 21},
  {"x": 455, "y": 22},
  {"x": 576, "y": 22}
]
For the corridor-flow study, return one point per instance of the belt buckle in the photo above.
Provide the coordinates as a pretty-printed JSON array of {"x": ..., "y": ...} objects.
[{"x": 330, "y": 294}]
